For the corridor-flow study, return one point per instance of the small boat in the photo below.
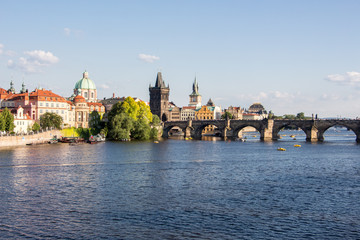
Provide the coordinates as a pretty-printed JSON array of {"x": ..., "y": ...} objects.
[
  {"x": 297, "y": 145},
  {"x": 156, "y": 141},
  {"x": 254, "y": 136},
  {"x": 281, "y": 149},
  {"x": 292, "y": 136},
  {"x": 186, "y": 138}
]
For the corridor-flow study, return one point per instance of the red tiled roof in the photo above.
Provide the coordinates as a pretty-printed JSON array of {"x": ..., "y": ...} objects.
[
  {"x": 37, "y": 95},
  {"x": 79, "y": 98}
]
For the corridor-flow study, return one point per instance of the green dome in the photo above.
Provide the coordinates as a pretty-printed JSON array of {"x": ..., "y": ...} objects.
[{"x": 85, "y": 83}]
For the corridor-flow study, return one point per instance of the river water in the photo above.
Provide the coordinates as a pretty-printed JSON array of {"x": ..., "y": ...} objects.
[{"x": 183, "y": 190}]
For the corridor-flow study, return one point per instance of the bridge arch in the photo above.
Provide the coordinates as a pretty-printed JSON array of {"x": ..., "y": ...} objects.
[
  {"x": 330, "y": 125},
  {"x": 199, "y": 128},
  {"x": 167, "y": 129},
  {"x": 237, "y": 129},
  {"x": 277, "y": 129}
]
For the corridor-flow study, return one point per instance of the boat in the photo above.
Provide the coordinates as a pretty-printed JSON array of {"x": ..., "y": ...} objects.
[
  {"x": 292, "y": 136},
  {"x": 281, "y": 149},
  {"x": 297, "y": 145},
  {"x": 156, "y": 141},
  {"x": 53, "y": 141},
  {"x": 96, "y": 139}
]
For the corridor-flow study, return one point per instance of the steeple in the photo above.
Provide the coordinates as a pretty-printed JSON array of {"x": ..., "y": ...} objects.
[
  {"x": 195, "y": 97},
  {"x": 23, "y": 88},
  {"x": 195, "y": 88},
  {"x": 12, "y": 89},
  {"x": 159, "y": 81},
  {"x": 210, "y": 103}
]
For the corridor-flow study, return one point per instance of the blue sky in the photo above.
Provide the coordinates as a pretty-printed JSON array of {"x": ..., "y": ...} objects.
[{"x": 292, "y": 56}]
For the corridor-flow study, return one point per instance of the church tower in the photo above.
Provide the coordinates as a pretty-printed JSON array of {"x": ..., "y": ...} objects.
[
  {"x": 159, "y": 98},
  {"x": 195, "y": 97}
]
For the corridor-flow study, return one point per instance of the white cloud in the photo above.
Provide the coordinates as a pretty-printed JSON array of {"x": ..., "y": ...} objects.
[
  {"x": 34, "y": 61},
  {"x": 349, "y": 78},
  {"x": 73, "y": 32},
  {"x": 67, "y": 31},
  {"x": 148, "y": 58},
  {"x": 1, "y": 48},
  {"x": 104, "y": 86}
]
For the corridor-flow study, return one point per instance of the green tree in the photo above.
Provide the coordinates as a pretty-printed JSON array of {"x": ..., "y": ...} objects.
[
  {"x": 35, "y": 127},
  {"x": 49, "y": 120},
  {"x": 2, "y": 123},
  {"x": 300, "y": 115},
  {"x": 95, "y": 119},
  {"x": 155, "y": 120},
  {"x": 130, "y": 119},
  {"x": 120, "y": 126},
  {"x": 144, "y": 112},
  {"x": 227, "y": 114},
  {"x": 141, "y": 129},
  {"x": 8, "y": 120},
  {"x": 289, "y": 116}
]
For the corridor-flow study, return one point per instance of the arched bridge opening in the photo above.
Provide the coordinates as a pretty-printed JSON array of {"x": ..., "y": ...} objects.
[
  {"x": 247, "y": 132},
  {"x": 338, "y": 132},
  {"x": 289, "y": 132}
]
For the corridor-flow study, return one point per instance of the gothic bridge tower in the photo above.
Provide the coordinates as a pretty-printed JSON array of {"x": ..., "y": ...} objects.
[{"x": 159, "y": 98}]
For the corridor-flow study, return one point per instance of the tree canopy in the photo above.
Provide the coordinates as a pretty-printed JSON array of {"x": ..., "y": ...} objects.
[
  {"x": 35, "y": 127},
  {"x": 48, "y": 120},
  {"x": 227, "y": 114},
  {"x": 130, "y": 119},
  {"x": 8, "y": 120}
]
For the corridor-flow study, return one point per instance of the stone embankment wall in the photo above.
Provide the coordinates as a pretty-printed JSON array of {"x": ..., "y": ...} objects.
[{"x": 38, "y": 138}]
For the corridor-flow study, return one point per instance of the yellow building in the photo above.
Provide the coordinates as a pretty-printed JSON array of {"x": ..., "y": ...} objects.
[{"x": 206, "y": 113}]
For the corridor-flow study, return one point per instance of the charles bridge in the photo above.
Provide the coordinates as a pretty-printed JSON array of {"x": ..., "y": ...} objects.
[{"x": 268, "y": 128}]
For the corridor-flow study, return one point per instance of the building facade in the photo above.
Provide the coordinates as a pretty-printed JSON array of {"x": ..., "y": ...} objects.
[{"x": 236, "y": 112}]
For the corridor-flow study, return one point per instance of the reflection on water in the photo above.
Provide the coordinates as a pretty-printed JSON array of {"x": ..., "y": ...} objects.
[{"x": 182, "y": 190}]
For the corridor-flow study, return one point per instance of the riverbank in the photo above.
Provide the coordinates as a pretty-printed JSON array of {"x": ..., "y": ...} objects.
[{"x": 21, "y": 140}]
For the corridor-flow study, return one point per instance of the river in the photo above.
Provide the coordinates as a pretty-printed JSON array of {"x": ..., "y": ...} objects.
[{"x": 183, "y": 189}]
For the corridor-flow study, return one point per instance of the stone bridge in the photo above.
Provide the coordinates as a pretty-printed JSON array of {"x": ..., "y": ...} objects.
[{"x": 268, "y": 128}]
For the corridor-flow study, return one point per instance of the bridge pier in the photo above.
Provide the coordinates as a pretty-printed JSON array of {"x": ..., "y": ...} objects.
[
  {"x": 312, "y": 134},
  {"x": 266, "y": 134}
]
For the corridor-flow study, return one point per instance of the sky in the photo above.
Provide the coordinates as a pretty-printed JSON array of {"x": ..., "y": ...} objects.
[{"x": 292, "y": 56}]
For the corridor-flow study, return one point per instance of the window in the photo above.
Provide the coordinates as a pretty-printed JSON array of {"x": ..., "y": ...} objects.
[
  {"x": 52, "y": 104},
  {"x": 85, "y": 94},
  {"x": 57, "y": 105},
  {"x": 62, "y": 111},
  {"x": 46, "y": 104},
  {"x": 92, "y": 95},
  {"x": 47, "y": 110},
  {"x": 57, "y": 111},
  {"x": 41, "y": 104}
]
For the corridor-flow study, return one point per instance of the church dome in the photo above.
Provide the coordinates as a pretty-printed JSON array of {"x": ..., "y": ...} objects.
[{"x": 85, "y": 82}]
